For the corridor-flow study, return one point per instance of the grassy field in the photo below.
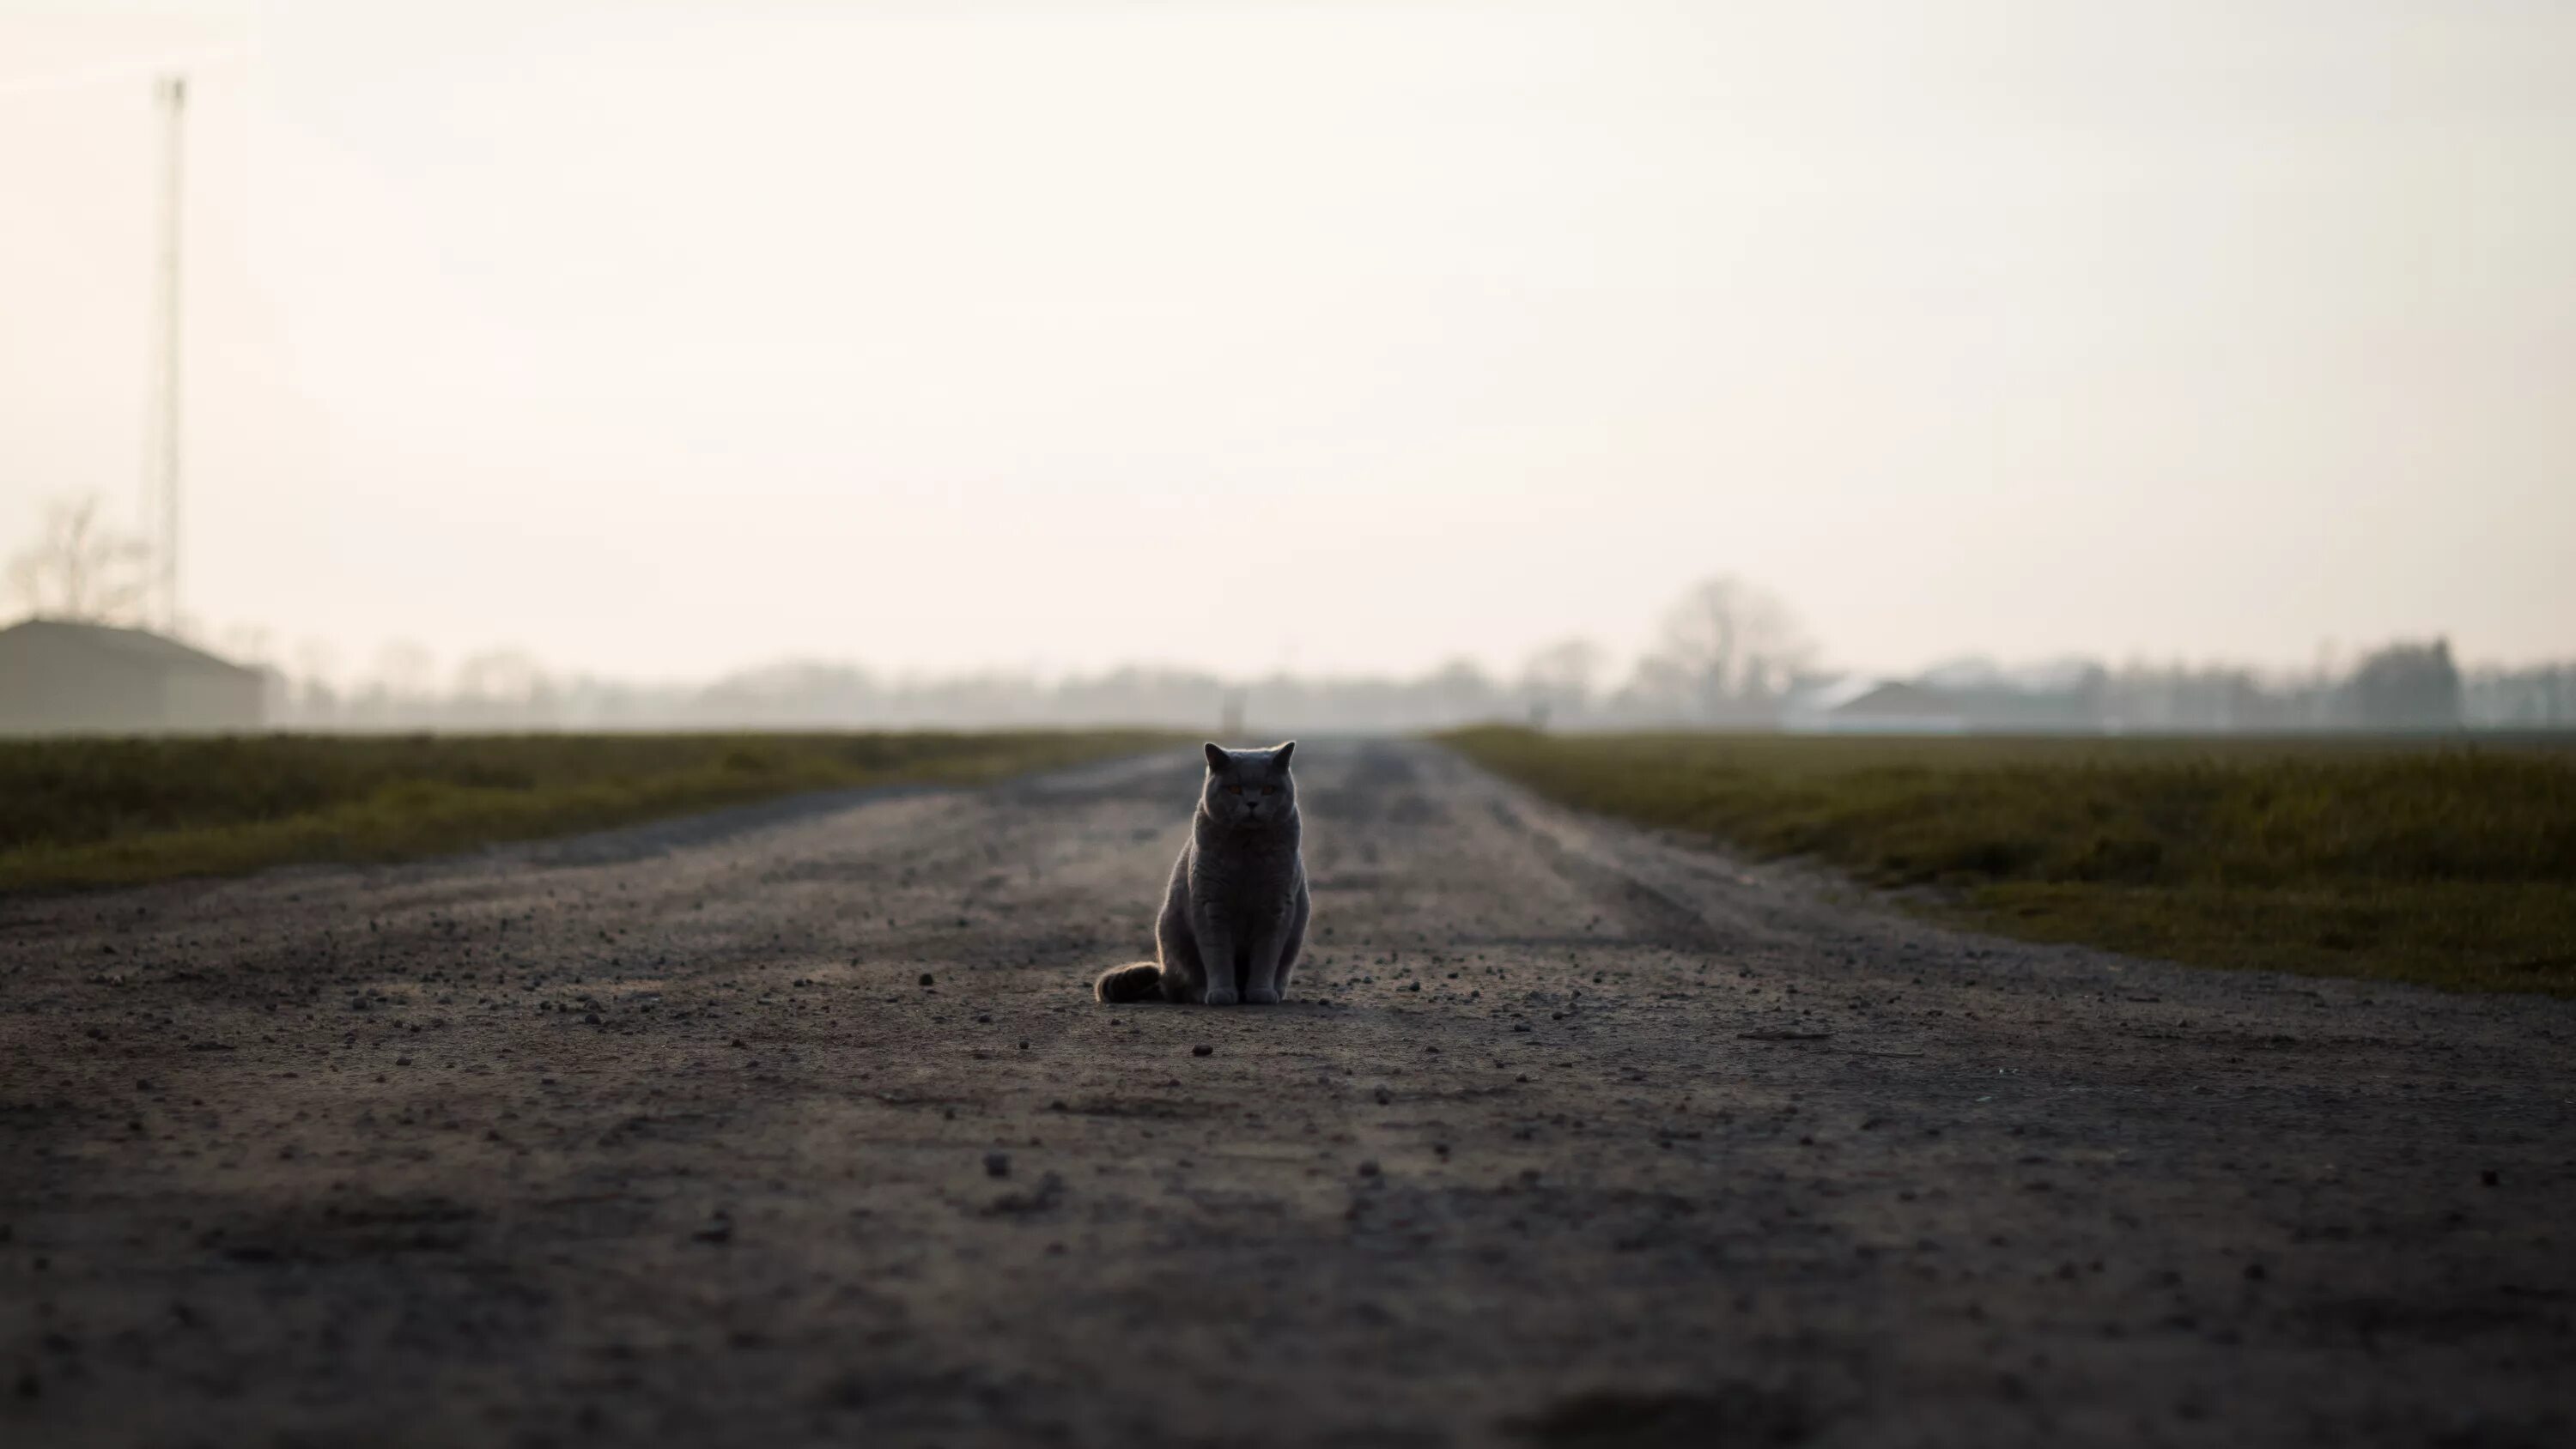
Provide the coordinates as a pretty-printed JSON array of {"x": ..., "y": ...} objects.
[
  {"x": 2441, "y": 862},
  {"x": 113, "y": 812}
]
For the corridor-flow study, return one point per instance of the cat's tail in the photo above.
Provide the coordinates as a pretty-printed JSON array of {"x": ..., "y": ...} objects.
[{"x": 1140, "y": 982}]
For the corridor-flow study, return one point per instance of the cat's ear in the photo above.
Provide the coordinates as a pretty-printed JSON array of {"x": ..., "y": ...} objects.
[
  {"x": 1218, "y": 759},
  {"x": 1281, "y": 754}
]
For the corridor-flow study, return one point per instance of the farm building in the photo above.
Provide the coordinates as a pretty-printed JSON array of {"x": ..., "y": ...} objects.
[
  {"x": 1861, "y": 705},
  {"x": 59, "y": 678}
]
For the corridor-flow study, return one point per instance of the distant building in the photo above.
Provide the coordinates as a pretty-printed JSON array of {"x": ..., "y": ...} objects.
[
  {"x": 61, "y": 678},
  {"x": 1860, "y": 705}
]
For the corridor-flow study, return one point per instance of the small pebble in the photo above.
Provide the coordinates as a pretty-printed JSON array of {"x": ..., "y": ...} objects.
[
  {"x": 997, "y": 1164},
  {"x": 1203, "y": 1050}
]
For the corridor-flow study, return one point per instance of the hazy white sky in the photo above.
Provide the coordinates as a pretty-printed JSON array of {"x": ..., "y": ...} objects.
[{"x": 661, "y": 338}]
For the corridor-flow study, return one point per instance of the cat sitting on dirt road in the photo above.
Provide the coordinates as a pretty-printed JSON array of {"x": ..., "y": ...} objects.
[{"x": 1235, "y": 915}]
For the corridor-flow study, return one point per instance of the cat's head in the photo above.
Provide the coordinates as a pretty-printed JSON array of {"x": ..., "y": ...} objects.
[{"x": 1249, "y": 787}]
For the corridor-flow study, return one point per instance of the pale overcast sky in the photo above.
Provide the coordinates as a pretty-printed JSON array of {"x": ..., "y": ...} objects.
[{"x": 661, "y": 338}]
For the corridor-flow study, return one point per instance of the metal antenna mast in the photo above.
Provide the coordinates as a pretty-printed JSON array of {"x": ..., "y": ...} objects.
[{"x": 161, "y": 430}]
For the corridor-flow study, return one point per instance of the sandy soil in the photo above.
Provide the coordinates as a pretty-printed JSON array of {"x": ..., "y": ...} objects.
[{"x": 798, "y": 1126}]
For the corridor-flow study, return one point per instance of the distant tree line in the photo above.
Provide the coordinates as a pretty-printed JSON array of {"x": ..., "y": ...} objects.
[{"x": 1729, "y": 654}]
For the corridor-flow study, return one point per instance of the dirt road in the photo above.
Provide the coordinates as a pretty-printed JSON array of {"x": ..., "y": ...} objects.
[{"x": 799, "y": 1127}]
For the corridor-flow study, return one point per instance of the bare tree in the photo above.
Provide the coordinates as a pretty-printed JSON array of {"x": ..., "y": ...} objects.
[
  {"x": 318, "y": 663},
  {"x": 82, "y": 569},
  {"x": 1728, "y": 645},
  {"x": 2407, "y": 686},
  {"x": 1558, "y": 679},
  {"x": 503, "y": 686},
  {"x": 405, "y": 672},
  {"x": 317, "y": 698}
]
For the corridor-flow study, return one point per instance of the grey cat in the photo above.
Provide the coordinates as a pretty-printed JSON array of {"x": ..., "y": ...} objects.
[{"x": 1235, "y": 915}]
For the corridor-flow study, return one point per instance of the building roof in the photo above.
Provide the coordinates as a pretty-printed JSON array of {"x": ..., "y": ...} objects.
[
  {"x": 1833, "y": 695},
  {"x": 1857, "y": 696},
  {"x": 1893, "y": 697},
  {"x": 1861, "y": 693},
  {"x": 140, "y": 646}
]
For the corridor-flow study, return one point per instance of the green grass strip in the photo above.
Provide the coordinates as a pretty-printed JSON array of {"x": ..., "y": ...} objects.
[
  {"x": 98, "y": 812},
  {"x": 2437, "y": 861}
]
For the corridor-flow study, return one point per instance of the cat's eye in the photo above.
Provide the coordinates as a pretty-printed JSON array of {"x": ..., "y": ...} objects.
[
  {"x": 1269, "y": 789},
  {"x": 1234, "y": 789}
]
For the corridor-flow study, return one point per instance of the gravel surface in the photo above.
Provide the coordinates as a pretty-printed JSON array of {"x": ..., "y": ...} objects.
[{"x": 799, "y": 1126}]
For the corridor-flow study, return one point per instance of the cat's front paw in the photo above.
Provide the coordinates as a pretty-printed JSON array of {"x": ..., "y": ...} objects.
[
  {"x": 1262, "y": 996},
  {"x": 1219, "y": 996}
]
